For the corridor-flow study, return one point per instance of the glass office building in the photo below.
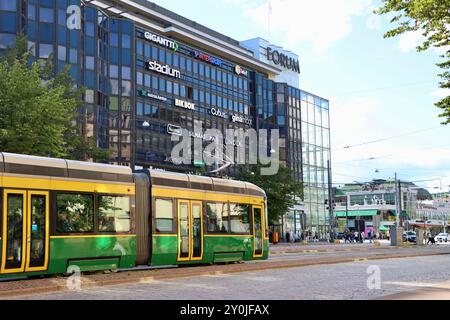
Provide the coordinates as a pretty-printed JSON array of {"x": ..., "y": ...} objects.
[{"x": 149, "y": 72}]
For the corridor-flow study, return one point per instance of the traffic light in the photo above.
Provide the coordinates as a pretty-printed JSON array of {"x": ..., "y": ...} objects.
[{"x": 333, "y": 204}]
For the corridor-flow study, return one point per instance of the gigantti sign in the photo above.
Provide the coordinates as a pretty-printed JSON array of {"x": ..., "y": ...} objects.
[{"x": 283, "y": 60}]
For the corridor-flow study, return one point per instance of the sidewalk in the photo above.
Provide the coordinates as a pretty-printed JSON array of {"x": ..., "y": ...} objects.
[{"x": 313, "y": 247}]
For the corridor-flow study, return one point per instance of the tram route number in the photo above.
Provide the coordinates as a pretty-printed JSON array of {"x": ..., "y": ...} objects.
[{"x": 240, "y": 310}]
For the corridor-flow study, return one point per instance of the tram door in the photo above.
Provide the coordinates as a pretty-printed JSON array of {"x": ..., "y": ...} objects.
[
  {"x": 25, "y": 235},
  {"x": 190, "y": 230},
  {"x": 258, "y": 232}
]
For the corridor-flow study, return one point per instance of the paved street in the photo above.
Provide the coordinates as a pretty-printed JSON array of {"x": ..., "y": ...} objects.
[{"x": 400, "y": 278}]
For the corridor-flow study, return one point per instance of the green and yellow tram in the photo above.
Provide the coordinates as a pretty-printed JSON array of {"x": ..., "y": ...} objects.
[{"x": 59, "y": 215}]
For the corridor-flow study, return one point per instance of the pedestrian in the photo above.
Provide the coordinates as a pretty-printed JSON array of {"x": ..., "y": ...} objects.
[
  {"x": 430, "y": 238},
  {"x": 328, "y": 237},
  {"x": 363, "y": 237},
  {"x": 292, "y": 236},
  {"x": 288, "y": 237},
  {"x": 356, "y": 236}
]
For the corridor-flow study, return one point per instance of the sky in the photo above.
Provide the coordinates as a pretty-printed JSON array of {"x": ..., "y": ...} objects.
[{"x": 379, "y": 89}]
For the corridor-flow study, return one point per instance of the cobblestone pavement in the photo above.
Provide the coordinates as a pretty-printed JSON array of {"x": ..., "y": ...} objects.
[{"x": 400, "y": 278}]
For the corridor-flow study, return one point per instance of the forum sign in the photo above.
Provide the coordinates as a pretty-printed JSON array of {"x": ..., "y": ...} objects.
[{"x": 283, "y": 60}]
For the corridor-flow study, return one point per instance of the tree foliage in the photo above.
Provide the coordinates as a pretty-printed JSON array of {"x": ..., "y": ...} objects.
[
  {"x": 39, "y": 111},
  {"x": 281, "y": 189},
  {"x": 432, "y": 18}
]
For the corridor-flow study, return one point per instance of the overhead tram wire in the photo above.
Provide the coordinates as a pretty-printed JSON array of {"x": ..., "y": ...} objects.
[
  {"x": 383, "y": 88},
  {"x": 385, "y": 139},
  {"x": 387, "y": 156}
]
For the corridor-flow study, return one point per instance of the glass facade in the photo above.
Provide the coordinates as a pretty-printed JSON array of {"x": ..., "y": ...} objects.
[{"x": 134, "y": 78}]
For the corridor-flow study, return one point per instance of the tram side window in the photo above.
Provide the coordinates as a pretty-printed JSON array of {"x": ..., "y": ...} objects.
[
  {"x": 164, "y": 215},
  {"x": 75, "y": 213},
  {"x": 240, "y": 218},
  {"x": 217, "y": 217},
  {"x": 114, "y": 214}
]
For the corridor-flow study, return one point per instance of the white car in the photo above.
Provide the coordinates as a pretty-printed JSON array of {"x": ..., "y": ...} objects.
[{"x": 442, "y": 237}]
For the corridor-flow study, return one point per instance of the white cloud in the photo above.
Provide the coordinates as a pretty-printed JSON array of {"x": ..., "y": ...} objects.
[
  {"x": 321, "y": 23},
  {"x": 409, "y": 41},
  {"x": 441, "y": 93}
]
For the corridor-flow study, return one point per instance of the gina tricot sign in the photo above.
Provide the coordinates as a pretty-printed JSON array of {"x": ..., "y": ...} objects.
[
  {"x": 283, "y": 60},
  {"x": 162, "y": 41},
  {"x": 167, "y": 70}
]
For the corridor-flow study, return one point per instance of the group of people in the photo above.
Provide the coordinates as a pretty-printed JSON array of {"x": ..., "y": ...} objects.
[{"x": 360, "y": 237}]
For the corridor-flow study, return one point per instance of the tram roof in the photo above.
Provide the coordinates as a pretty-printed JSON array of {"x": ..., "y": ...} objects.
[
  {"x": 181, "y": 180},
  {"x": 42, "y": 166}
]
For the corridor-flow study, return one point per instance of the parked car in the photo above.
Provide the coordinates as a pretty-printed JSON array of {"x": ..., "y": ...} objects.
[
  {"x": 409, "y": 236},
  {"x": 442, "y": 237}
]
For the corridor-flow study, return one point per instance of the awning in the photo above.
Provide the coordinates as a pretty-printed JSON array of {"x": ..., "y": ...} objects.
[
  {"x": 356, "y": 213},
  {"x": 394, "y": 212}
]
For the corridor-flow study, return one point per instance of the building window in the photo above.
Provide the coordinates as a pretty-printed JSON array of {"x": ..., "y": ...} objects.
[
  {"x": 75, "y": 213},
  {"x": 90, "y": 63},
  {"x": 10, "y": 5},
  {"x": 164, "y": 215},
  {"x": 73, "y": 58},
  {"x": 46, "y": 15},
  {"x": 114, "y": 214},
  {"x": 45, "y": 50},
  {"x": 126, "y": 41},
  {"x": 126, "y": 73},
  {"x": 62, "y": 53}
]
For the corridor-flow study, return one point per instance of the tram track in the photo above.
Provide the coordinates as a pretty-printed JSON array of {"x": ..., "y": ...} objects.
[{"x": 292, "y": 260}]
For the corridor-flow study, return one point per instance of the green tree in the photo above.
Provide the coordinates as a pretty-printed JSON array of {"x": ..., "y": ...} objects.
[
  {"x": 39, "y": 110},
  {"x": 432, "y": 18},
  {"x": 281, "y": 189}
]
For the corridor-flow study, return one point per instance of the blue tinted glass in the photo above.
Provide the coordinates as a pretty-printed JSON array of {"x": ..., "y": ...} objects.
[
  {"x": 126, "y": 57},
  {"x": 62, "y": 17},
  {"x": 73, "y": 56},
  {"x": 74, "y": 72},
  {"x": 90, "y": 29},
  {"x": 90, "y": 63},
  {"x": 113, "y": 71},
  {"x": 126, "y": 73},
  {"x": 140, "y": 109},
  {"x": 90, "y": 46},
  {"x": 90, "y": 79},
  {"x": 61, "y": 4},
  {"x": 126, "y": 41},
  {"x": 114, "y": 55},
  {"x": 9, "y": 5},
  {"x": 31, "y": 31},
  {"x": 127, "y": 27},
  {"x": 31, "y": 12},
  {"x": 46, "y": 15},
  {"x": 6, "y": 40},
  {"x": 48, "y": 3},
  {"x": 62, "y": 53},
  {"x": 7, "y": 22},
  {"x": 46, "y": 32},
  {"x": 114, "y": 39},
  {"x": 114, "y": 25},
  {"x": 62, "y": 36},
  {"x": 45, "y": 50},
  {"x": 73, "y": 38},
  {"x": 91, "y": 14}
]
